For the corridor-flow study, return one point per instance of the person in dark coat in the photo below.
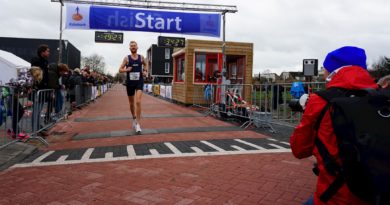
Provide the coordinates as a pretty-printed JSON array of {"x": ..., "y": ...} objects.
[{"x": 41, "y": 61}]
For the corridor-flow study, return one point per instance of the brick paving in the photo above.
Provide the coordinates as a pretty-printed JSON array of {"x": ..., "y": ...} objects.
[{"x": 267, "y": 178}]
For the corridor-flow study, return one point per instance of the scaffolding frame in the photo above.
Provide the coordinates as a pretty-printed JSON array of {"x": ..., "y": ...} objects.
[{"x": 154, "y": 4}]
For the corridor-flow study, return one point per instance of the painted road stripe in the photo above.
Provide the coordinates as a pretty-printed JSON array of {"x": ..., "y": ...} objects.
[
  {"x": 172, "y": 148},
  {"x": 131, "y": 151},
  {"x": 109, "y": 155},
  {"x": 42, "y": 157},
  {"x": 212, "y": 146},
  {"x": 250, "y": 144},
  {"x": 197, "y": 150},
  {"x": 277, "y": 146},
  {"x": 87, "y": 154},
  {"x": 238, "y": 148},
  {"x": 286, "y": 143},
  {"x": 153, "y": 157},
  {"x": 158, "y": 150},
  {"x": 154, "y": 152}
]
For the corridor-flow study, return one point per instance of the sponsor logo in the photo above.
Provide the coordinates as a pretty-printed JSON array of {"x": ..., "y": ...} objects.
[{"x": 77, "y": 16}]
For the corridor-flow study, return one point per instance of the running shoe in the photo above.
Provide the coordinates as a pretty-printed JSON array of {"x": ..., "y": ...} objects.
[
  {"x": 134, "y": 124},
  {"x": 138, "y": 129}
]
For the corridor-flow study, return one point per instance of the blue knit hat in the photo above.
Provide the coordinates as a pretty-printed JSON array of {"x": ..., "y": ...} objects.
[{"x": 345, "y": 56}]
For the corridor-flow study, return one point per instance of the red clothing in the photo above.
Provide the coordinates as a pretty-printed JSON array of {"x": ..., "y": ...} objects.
[{"x": 302, "y": 140}]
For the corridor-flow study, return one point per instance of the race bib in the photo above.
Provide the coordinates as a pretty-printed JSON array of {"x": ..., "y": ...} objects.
[{"x": 134, "y": 75}]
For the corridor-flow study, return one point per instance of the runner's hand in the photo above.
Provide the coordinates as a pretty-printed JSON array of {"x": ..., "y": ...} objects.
[
  {"x": 128, "y": 69},
  {"x": 145, "y": 74}
]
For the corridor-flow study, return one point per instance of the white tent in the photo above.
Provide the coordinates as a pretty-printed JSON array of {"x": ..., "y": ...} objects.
[{"x": 9, "y": 66}]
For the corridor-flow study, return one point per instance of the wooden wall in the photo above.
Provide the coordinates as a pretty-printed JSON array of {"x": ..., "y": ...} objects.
[{"x": 184, "y": 92}]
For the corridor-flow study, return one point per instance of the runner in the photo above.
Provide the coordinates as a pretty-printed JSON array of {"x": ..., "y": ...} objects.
[{"x": 132, "y": 65}]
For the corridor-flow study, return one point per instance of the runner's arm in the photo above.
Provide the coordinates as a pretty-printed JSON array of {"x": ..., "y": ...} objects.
[{"x": 122, "y": 68}]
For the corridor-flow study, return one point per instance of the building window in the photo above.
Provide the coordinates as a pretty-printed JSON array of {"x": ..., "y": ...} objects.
[
  {"x": 167, "y": 53},
  {"x": 179, "y": 65},
  {"x": 236, "y": 69},
  {"x": 167, "y": 65},
  {"x": 206, "y": 66}
]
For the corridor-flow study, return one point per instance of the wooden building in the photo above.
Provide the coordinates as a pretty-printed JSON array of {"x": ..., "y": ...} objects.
[{"x": 200, "y": 62}]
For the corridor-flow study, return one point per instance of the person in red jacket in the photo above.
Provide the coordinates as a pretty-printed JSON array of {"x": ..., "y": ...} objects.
[{"x": 343, "y": 68}]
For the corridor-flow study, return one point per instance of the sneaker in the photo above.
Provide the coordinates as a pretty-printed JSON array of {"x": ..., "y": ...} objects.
[
  {"x": 134, "y": 124},
  {"x": 138, "y": 129}
]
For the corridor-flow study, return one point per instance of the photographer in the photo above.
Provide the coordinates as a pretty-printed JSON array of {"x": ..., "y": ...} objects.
[{"x": 343, "y": 68}]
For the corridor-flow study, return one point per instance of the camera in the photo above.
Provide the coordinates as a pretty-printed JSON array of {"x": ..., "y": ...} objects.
[{"x": 298, "y": 105}]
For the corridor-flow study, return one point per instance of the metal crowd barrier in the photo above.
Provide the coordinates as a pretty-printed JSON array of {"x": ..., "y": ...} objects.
[
  {"x": 259, "y": 104},
  {"x": 25, "y": 113},
  {"x": 83, "y": 94},
  {"x": 274, "y": 99}
]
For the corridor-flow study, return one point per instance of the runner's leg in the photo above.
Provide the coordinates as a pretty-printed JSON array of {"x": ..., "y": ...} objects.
[
  {"x": 130, "y": 94},
  {"x": 138, "y": 95}
]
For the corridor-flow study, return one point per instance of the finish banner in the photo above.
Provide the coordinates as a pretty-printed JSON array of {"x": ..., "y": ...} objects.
[{"x": 126, "y": 19}]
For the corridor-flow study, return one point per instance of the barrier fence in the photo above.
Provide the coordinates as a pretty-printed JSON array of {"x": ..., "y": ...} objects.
[
  {"x": 252, "y": 104},
  {"x": 25, "y": 113}
]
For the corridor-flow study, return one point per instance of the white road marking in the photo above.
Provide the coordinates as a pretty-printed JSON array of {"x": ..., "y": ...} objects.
[
  {"x": 250, "y": 144},
  {"x": 277, "y": 146},
  {"x": 40, "y": 158},
  {"x": 87, "y": 154},
  {"x": 62, "y": 158},
  {"x": 172, "y": 148},
  {"x": 238, "y": 148},
  {"x": 154, "y": 154},
  {"x": 109, "y": 155},
  {"x": 286, "y": 143},
  {"x": 272, "y": 139},
  {"x": 131, "y": 151},
  {"x": 197, "y": 150},
  {"x": 213, "y": 146}
]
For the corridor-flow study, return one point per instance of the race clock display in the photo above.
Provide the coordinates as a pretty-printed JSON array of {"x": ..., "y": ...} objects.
[
  {"x": 171, "y": 41},
  {"x": 108, "y": 37}
]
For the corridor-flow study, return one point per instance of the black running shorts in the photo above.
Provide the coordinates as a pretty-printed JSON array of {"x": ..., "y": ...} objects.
[{"x": 132, "y": 88}]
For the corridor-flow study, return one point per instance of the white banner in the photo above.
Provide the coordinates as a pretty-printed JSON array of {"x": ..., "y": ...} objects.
[{"x": 77, "y": 16}]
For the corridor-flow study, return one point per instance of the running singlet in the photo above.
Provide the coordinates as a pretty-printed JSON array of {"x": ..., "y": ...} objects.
[{"x": 135, "y": 75}]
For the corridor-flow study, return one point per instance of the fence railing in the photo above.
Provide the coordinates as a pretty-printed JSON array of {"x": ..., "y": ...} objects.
[
  {"x": 258, "y": 104},
  {"x": 25, "y": 113}
]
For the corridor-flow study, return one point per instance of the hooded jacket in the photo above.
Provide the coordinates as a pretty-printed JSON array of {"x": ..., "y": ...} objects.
[{"x": 302, "y": 139}]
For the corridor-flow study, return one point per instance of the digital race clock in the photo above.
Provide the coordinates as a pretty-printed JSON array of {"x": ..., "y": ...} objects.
[
  {"x": 171, "y": 41},
  {"x": 108, "y": 37}
]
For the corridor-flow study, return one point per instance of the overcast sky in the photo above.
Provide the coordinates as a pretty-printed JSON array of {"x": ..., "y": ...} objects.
[{"x": 283, "y": 31}]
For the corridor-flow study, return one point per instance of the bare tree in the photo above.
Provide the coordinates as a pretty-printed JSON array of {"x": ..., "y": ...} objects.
[
  {"x": 381, "y": 67},
  {"x": 95, "y": 62}
]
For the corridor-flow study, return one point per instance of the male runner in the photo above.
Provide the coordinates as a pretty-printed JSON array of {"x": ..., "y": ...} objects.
[{"x": 132, "y": 65}]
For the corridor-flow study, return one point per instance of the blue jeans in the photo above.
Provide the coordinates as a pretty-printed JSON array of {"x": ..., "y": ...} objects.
[{"x": 59, "y": 100}]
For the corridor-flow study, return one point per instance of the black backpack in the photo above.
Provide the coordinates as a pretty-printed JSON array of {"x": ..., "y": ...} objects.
[{"x": 361, "y": 123}]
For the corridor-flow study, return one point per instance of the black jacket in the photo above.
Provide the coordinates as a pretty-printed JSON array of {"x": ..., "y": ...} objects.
[{"x": 43, "y": 64}]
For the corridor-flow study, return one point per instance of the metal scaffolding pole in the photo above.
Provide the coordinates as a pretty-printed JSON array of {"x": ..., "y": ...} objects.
[
  {"x": 153, "y": 4},
  {"x": 60, "y": 41}
]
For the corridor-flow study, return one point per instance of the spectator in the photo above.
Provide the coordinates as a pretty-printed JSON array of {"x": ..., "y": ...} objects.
[
  {"x": 41, "y": 61},
  {"x": 75, "y": 81},
  {"x": 344, "y": 68},
  {"x": 63, "y": 75}
]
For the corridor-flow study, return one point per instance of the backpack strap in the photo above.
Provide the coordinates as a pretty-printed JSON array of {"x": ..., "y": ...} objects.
[{"x": 330, "y": 163}]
